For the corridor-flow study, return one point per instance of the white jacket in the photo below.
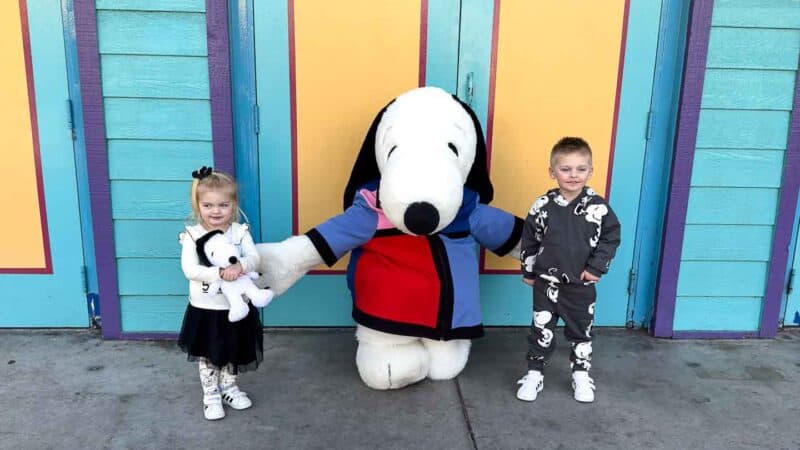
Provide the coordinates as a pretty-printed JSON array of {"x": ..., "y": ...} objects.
[{"x": 200, "y": 276}]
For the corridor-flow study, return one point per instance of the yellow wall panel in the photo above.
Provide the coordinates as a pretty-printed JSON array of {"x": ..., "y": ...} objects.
[
  {"x": 21, "y": 234},
  {"x": 556, "y": 75},
  {"x": 351, "y": 58}
]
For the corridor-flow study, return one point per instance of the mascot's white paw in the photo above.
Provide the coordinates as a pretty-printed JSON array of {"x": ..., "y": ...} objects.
[
  {"x": 447, "y": 358},
  {"x": 283, "y": 263},
  {"x": 389, "y": 361}
]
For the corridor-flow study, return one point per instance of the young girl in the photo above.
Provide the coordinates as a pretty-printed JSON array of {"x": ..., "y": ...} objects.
[{"x": 222, "y": 348}]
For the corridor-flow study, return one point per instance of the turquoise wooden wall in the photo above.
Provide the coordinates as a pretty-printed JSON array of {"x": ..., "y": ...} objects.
[
  {"x": 741, "y": 140},
  {"x": 154, "y": 67}
]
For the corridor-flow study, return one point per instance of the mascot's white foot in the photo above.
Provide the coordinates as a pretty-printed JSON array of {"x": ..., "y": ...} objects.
[
  {"x": 389, "y": 361},
  {"x": 447, "y": 358}
]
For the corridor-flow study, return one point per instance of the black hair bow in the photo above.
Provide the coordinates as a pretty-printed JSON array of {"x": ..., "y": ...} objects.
[{"x": 202, "y": 172}]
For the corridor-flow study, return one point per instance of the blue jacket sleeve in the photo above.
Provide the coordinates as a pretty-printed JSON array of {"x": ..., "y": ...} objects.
[
  {"x": 340, "y": 234},
  {"x": 495, "y": 229}
]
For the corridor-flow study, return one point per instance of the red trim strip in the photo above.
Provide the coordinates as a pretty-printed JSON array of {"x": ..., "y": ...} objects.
[
  {"x": 492, "y": 84},
  {"x": 423, "y": 42},
  {"x": 617, "y": 99},
  {"x": 293, "y": 115},
  {"x": 26, "y": 45}
]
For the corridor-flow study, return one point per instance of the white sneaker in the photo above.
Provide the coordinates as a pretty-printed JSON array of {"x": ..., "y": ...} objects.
[
  {"x": 235, "y": 398},
  {"x": 532, "y": 383},
  {"x": 583, "y": 385},
  {"x": 212, "y": 406}
]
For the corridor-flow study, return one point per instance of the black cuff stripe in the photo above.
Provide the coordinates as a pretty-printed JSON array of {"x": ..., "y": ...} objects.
[
  {"x": 516, "y": 235},
  {"x": 322, "y": 247}
]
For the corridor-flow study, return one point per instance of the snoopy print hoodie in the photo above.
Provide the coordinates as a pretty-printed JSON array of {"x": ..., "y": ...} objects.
[{"x": 561, "y": 239}]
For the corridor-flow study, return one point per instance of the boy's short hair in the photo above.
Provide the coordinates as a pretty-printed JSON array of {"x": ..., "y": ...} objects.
[{"x": 567, "y": 145}]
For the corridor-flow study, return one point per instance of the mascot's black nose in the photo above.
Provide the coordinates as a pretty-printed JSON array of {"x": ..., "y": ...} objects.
[
  {"x": 421, "y": 218},
  {"x": 232, "y": 260}
]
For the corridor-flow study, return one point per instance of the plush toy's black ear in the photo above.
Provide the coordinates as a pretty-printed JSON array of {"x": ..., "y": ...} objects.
[
  {"x": 201, "y": 245},
  {"x": 478, "y": 178},
  {"x": 365, "y": 168}
]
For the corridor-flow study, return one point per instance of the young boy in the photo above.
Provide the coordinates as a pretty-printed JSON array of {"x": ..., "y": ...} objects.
[{"x": 569, "y": 239}]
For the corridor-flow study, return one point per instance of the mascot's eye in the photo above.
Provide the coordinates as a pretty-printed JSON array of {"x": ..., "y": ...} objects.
[
  {"x": 453, "y": 148},
  {"x": 390, "y": 152}
]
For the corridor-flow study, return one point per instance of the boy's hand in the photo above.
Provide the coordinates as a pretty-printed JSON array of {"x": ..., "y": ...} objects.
[
  {"x": 231, "y": 273},
  {"x": 528, "y": 281},
  {"x": 586, "y": 276}
]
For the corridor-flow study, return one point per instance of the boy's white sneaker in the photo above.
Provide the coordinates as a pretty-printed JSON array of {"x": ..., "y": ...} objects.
[
  {"x": 235, "y": 398},
  {"x": 583, "y": 385},
  {"x": 212, "y": 406},
  {"x": 532, "y": 383}
]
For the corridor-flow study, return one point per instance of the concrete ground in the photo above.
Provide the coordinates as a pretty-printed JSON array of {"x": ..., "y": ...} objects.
[{"x": 70, "y": 389}]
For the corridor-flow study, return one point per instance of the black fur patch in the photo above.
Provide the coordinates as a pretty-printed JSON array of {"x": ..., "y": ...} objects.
[{"x": 201, "y": 244}]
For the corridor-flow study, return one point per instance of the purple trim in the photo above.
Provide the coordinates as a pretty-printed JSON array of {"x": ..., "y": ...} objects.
[
  {"x": 784, "y": 223},
  {"x": 149, "y": 336},
  {"x": 688, "y": 117},
  {"x": 219, "y": 79},
  {"x": 714, "y": 334},
  {"x": 97, "y": 164}
]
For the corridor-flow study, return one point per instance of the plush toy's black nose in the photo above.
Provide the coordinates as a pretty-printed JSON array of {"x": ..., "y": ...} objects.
[
  {"x": 232, "y": 260},
  {"x": 421, "y": 218}
]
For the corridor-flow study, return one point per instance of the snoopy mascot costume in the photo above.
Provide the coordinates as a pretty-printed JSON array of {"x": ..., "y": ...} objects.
[{"x": 415, "y": 206}]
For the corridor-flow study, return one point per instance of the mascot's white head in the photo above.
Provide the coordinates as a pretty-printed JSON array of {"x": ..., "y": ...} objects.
[{"x": 423, "y": 149}]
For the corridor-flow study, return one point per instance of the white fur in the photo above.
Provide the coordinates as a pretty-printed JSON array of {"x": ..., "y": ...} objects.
[
  {"x": 417, "y": 128},
  {"x": 218, "y": 250},
  {"x": 389, "y": 361},
  {"x": 283, "y": 263}
]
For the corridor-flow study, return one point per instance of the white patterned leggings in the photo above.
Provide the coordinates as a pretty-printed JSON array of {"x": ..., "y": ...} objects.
[{"x": 213, "y": 378}]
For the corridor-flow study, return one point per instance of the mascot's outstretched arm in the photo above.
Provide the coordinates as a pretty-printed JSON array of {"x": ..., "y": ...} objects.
[
  {"x": 283, "y": 263},
  {"x": 497, "y": 230}
]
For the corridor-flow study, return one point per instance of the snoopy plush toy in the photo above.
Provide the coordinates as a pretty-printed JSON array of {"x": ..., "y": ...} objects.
[
  {"x": 214, "y": 250},
  {"x": 415, "y": 207}
]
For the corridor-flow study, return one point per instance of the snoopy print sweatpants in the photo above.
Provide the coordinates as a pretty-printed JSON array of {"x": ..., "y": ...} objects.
[{"x": 574, "y": 303}]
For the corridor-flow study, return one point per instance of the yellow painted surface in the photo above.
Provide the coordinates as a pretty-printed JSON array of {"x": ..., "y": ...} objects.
[
  {"x": 556, "y": 76},
  {"x": 21, "y": 244},
  {"x": 352, "y": 57}
]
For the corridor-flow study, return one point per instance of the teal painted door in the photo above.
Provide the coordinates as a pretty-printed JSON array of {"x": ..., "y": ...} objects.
[
  {"x": 53, "y": 297},
  {"x": 321, "y": 76}
]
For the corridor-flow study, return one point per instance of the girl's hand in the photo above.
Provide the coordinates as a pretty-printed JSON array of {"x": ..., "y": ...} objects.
[
  {"x": 231, "y": 273},
  {"x": 586, "y": 276},
  {"x": 528, "y": 281}
]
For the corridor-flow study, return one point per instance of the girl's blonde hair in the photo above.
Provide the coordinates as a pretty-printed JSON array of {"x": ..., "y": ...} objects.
[{"x": 206, "y": 179}]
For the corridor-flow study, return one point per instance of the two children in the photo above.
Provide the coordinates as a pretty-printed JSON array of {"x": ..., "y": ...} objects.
[
  {"x": 222, "y": 348},
  {"x": 568, "y": 241}
]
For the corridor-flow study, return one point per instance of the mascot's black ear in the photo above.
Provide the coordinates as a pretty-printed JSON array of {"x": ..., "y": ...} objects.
[
  {"x": 478, "y": 178},
  {"x": 365, "y": 168},
  {"x": 200, "y": 244}
]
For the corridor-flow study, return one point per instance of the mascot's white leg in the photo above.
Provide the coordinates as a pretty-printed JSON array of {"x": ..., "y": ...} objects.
[
  {"x": 233, "y": 293},
  {"x": 388, "y": 361},
  {"x": 447, "y": 358}
]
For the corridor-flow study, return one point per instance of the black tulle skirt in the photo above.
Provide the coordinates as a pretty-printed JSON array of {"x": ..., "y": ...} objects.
[{"x": 207, "y": 333}]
